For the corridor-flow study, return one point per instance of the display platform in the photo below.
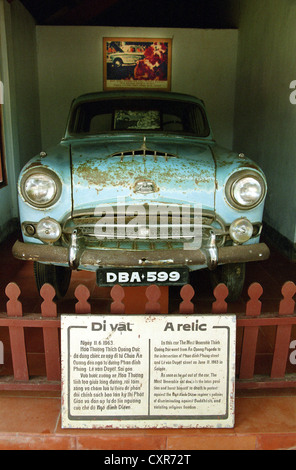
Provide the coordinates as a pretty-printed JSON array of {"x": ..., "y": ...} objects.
[{"x": 265, "y": 420}]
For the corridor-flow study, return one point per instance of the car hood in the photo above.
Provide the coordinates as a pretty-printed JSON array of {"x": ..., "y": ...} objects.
[{"x": 102, "y": 172}]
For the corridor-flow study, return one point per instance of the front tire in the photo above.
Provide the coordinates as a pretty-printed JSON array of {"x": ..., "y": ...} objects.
[
  {"x": 233, "y": 276},
  {"x": 57, "y": 276}
]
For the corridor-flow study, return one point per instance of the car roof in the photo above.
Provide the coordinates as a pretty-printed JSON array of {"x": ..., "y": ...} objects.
[{"x": 136, "y": 94}]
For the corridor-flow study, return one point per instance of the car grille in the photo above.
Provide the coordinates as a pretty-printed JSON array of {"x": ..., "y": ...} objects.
[
  {"x": 120, "y": 227},
  {"x": 144, "y": 152}
]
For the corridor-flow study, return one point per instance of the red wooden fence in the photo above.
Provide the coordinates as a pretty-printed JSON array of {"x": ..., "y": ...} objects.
[{"x": 255, "y": 367}]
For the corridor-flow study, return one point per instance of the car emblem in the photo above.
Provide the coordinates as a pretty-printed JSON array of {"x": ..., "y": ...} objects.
[{"x": 145, "y": 187}]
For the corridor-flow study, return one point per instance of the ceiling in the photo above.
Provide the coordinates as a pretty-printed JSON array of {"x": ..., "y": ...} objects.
[{"x": 147, "y": 13}]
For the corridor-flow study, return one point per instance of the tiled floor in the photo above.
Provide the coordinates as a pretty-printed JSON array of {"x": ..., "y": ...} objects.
[{"x": 31, "y": 420}]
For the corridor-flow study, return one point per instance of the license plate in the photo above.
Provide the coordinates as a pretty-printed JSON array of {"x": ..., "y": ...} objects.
[{"x": 177, "y": 276}]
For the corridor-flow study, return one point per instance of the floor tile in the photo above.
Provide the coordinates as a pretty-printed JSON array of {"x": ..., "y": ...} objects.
[
  {"x": 278, "y": 441},
  {"x": 121, "y": 442},
  {"x": 215, "y": 442},
  {"x": 29, "y": 415},
  {"x": 266, "y": 415},
  {"x": 20, "y": 441}
]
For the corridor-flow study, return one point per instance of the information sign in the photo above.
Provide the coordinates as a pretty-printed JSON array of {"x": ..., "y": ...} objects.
[{"x": 137, "y": 371}]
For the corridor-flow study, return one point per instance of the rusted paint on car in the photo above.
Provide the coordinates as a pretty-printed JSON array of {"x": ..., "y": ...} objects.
[{"x": 96, "y": 172}]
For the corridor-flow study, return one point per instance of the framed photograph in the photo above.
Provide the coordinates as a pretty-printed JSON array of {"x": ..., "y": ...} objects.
[{"x": 137, "y": 63}]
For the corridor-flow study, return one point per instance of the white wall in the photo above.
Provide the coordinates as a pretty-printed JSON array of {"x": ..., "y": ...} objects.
[
  {"x": 70, "y": 63},
  {"x": 18, "y": 71},
  {"x": 265, "y": 120},
  {"x": 8, "y": 202},
  {"x": 26, "y": 82}
]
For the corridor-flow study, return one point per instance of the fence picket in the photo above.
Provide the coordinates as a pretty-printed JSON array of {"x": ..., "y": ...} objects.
[
  {"x": 186, "y": 293},
  {"x": 283, "y": 333},
  {"x": 17, "y": 334},
  {"x": 281, "y": 351},
  {"x": 117, "y": 294},
  {"x": 254, "y": 305},
  {"x": 48, "y": 306},
  {"x": 153, "y": 294},
  {"x": 220, "y": 294},
  {"x": 250, "y": 336},
  {"x": 82, "y": 294},
  {"x": 287, "y": 304},
  {"x": 13, "y": 306},
  {"x": 50, "y": 335}
]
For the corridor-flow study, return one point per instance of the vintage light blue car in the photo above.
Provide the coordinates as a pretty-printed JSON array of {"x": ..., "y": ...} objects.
[{"x": 139, "y": 192}]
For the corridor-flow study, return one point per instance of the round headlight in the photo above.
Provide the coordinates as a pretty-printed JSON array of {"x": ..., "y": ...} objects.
[
  {"x": 245, "y": 190},
  {"x": 40, "y": 188}
]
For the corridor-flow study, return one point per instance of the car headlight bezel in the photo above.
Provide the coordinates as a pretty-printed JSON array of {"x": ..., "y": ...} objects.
[
  {"x": 237, "y": 178},
  {"x": 43, "y": 174}
]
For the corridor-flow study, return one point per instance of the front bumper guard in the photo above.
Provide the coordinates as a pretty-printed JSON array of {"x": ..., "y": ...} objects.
[{"x": 76, "y": 256}]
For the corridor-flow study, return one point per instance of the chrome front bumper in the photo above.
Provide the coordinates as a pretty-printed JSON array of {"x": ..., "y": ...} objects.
[{"x": 80, "y": 258}]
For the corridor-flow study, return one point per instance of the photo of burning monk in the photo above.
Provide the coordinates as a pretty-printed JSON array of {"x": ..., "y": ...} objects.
[{"x": 137, "y": 63}]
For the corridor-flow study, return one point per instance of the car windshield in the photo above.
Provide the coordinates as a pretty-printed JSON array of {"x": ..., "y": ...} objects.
[{"x": 134, "y": 115}]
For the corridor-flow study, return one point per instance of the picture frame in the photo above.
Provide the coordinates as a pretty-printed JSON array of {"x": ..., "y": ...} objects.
[{"x": 137, "y": 63}]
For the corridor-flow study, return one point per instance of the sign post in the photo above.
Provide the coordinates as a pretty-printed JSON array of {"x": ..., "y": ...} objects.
[{"x": 137, "y": 371}]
